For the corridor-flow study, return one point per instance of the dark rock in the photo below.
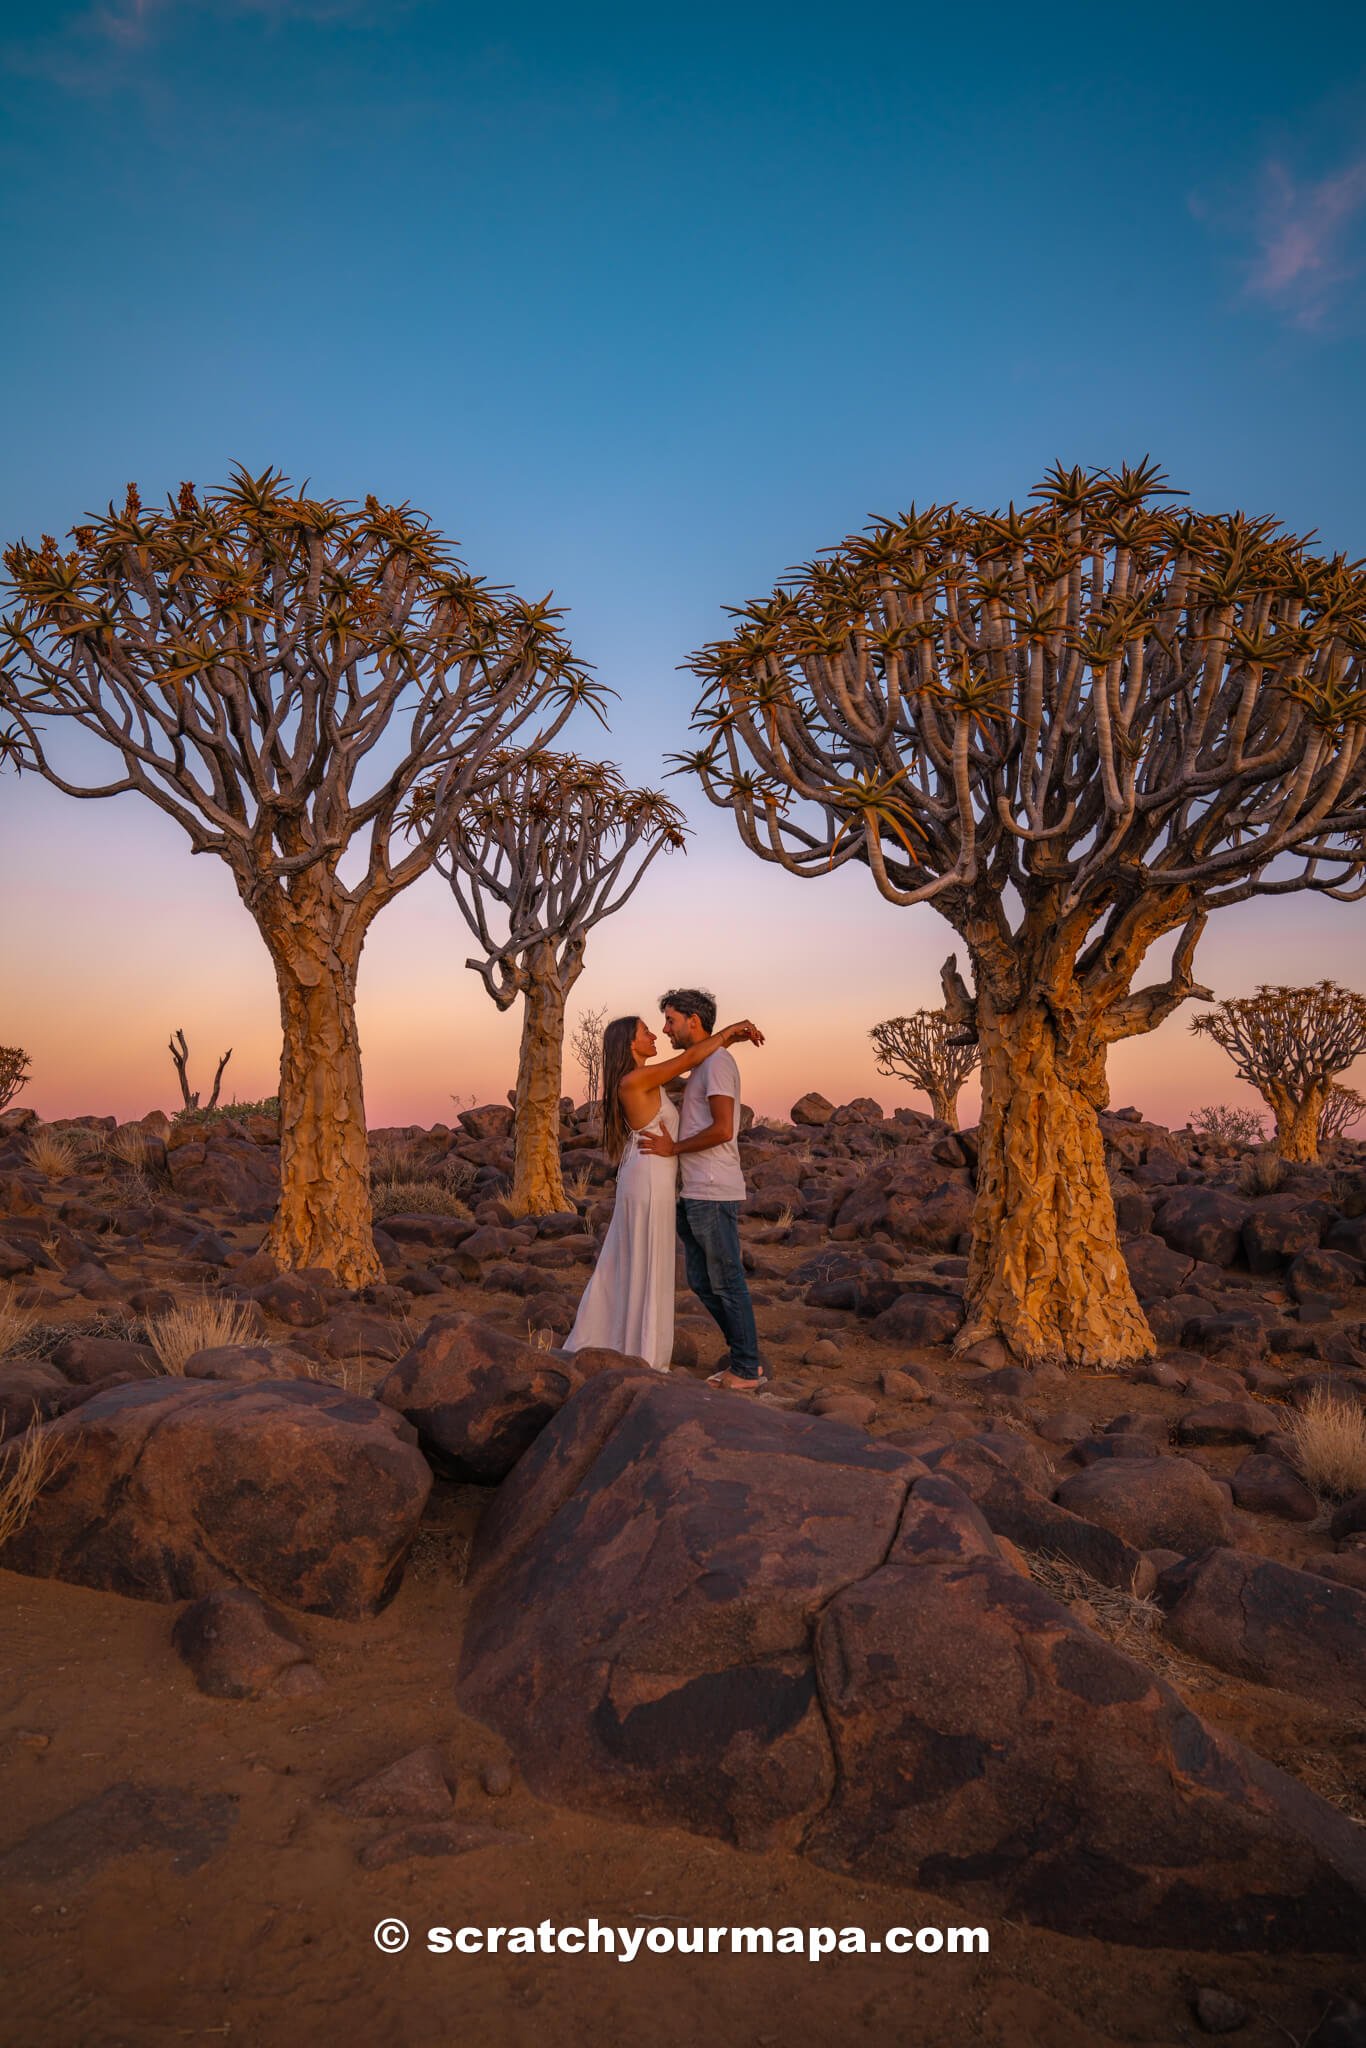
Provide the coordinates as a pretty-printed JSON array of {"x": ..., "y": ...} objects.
[
  {"x": 1158, "y": 1502},
  {"x": 1035, "y": 1523},
  {"x": 1266, "y": 1485},
  {"x": 919, "y": 1319},
  {"x": 1277, "y": 1230},
  {"x": 123, "y": 1820},
  {"x": 1217, "y": 2013},
  {"x": 244, "y": 1364},
  {"x": 1349, "y": 1519},
  {"x": 14, "y": 1261},
  {"x": 241, "y": 1648},
  {"x": 811, "y": 1111},
  {"x": 89, "y": 1360},
  {"x": 414, "y": 1788},
  {"x": 477, "y": 1397},
  {"x": 30, "y": 1389},
  {"x": 937, "y": 1221},
  {"x": 1323, "y": 1273},
  {"x": 439, "y": 1232},
  {"x": 1156, "y": 1271},
  {"x": 1269, "y": 1623},
  {"x": 292, "y": 1299},
  {"x": 436, "y": 1838},
  {"x": 1204, "y": 1222},
  {"x": 1228, "y": 1422},
  {"x": 491, "y": 1120},
  {"x": 176, "y": 1488}
]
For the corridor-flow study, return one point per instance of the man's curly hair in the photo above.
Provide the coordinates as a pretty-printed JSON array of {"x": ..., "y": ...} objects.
[{"x": 692, "y": 1002}]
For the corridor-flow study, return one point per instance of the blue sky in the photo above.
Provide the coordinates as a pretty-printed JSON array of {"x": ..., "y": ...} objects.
[{"x": 647, "y": 305}]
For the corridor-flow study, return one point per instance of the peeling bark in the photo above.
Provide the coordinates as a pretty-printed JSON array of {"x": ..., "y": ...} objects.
[
  {"x": 1046, "y": 1273},
  {"x": 537, "y": 1184},
  {"x": 1297, "y": 1121},
  {"x": 324, "y": 1216}
]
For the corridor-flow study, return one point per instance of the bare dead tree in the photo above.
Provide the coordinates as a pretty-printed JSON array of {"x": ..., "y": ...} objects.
[
  {"x": 546, "y": 846},
  {"x": 14, "y": 1073},
  {"x": 1073, "y": 729},
  {"x": 276, "y": 673},
  {"x": 1343, "y": 1109},
  {"x": 180, "y": 1055},
  {"x": 1230, "y": 1123},
  {"x": 921, "y": 1049},
  {"x": 1290, "y": 1044},
  {"x": 585, "y": 1042}
]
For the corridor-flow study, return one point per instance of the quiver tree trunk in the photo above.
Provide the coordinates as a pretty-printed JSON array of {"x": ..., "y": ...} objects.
[
  {"x": 324, "y": 1218},
  {"x": 1046, "y": 1273},
  {"x": 537, "y": 1183},
  {"x": 1297, "y": 1121},
  {"x": 945, "y": 1106}
]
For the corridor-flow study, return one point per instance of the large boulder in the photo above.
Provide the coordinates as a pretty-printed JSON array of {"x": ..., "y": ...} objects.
[
  {"x": 772, "y": 1628},
  {"x": 168, "y": 1489},
  {"x": 1270, "y": 1623},
  {"x": 1155, "y": 1270},
  {"x": 811, "y": 1111},
  {"x": 1157, "y": 1503},
  {"x": 477, "y": 1397},
  {"x": 1206, "y": 1223}
]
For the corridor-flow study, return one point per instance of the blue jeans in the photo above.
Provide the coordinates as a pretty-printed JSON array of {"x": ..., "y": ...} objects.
[{"x": 716, "y": 1274}]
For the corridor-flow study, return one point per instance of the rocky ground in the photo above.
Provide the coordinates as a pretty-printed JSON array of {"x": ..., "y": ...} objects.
[{"x": 185, "y": 1850}]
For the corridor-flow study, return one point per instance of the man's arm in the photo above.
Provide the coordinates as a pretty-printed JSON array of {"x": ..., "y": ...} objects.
[{"x": 719, "y": 1131}]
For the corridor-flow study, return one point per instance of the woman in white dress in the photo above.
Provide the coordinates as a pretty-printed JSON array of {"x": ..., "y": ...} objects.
[{"x": 628, "y": 1304}]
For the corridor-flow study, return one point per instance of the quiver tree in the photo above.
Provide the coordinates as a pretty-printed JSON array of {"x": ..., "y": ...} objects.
[
  {"x": 921, "y": 1049},
  {"x": 542, "y": 849},
  {"x": 1343, "y": 1109},
  {"x": 1290, "y": 1044},
  {"x": 14, "y": 1073},
  {"x": 1074, "y": 730},
  {"x": 585, "y": 1042},
  {"x": 180, "y": 1056},
  {"x": 276, "y": 673}
]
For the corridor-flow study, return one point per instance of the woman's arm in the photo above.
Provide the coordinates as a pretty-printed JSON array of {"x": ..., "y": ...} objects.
[{"x": 660, "y": 1071}]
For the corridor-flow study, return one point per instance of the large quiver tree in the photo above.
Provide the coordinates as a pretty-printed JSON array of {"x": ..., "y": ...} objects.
[
  {"x": 921, "y": 1049},
  {"x": 1291, "y": 1044},
  {"x": 542, "y": 849},
  {"x": 1073, "y": 729},
  {"x": 276, "y": 673}
]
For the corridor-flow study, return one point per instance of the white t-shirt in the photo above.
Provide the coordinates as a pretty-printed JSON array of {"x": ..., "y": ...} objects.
[{"x": 714, "y": 1175}]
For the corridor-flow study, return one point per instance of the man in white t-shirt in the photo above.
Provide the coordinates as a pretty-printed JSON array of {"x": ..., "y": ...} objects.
[{"x": 711, "y": 1186}]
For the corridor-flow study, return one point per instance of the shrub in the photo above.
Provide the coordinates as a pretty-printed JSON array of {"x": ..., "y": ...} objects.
[
  {"x": 196, "y": 1324},
  {"x": 1227, "y": 1121},
  {"x": 14, "y": 1072},
  {"x": 415, "y": 1198},
  {"x": 229, "y": 1112},
  {"x": 1262, "y": 1172},
  {"x": 1329, "y": 1438}
]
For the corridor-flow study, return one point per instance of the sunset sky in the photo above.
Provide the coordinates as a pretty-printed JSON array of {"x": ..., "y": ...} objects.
[{"x": 645, "y": 306}]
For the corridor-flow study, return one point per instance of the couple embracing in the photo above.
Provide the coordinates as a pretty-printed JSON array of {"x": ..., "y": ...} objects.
[{"x": 678, "y": 1177}]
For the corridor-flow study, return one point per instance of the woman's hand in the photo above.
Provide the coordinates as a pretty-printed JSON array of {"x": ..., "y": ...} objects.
[
  {"x": 733, "y": 1033},
  {"x": 658, "y": 1143}
]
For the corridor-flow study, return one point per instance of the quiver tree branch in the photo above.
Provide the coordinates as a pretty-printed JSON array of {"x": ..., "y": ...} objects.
[
  {"x": 277, "y": 673},
  {"x": 1290, "y": 1044},
  {"x": 542, "y": 848},
  {"x": 921, "y": 1049},
  {"x": 180, "y": 1055},
  {"x": 1074, "y": 729}
]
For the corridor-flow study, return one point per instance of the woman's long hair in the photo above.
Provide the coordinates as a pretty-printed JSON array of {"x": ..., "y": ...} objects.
[{"x": 617, "y": 1059}]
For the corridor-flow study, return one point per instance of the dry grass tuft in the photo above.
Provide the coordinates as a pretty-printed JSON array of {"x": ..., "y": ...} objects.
[
  {"x": 130, "y": 1146},
  {"x": 197, "y": 1324},
  {"x": 27, "y": 1464},
  {"x": 1128, "y": 1620},
  {"x": 55, "y": 1153},
  {"x": 1262, "y": 1172},
  {"x": 15, "y": 1324},
  {"x": 579, "y": 1184},
  {"x": 1329, "y": 1439}
]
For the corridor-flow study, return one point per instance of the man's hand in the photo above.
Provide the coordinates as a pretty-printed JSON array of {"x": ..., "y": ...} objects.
[
  {"x": 659, "y": 1143},
  {"x": 734, "y": 1033}
]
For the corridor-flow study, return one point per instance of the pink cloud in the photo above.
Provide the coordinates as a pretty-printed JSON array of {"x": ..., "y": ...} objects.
[{"x": 1308, "y": 235}]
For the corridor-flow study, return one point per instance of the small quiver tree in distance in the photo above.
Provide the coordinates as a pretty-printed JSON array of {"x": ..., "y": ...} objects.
[
  {"x": 14, "y": 1073},
  {"x": 276, "y": 673},
  {"x": 1343, "y": 1109},
  {"x": 543, "y": 848},
  {"x": 585, "y": 1042},
  {"x": 921, "y": 1049},
  {"x": 1290, "y": 1044},
  {"x": 1074, "y": 729}
]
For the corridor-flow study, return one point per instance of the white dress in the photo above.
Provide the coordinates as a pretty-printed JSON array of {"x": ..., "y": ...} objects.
[{"x": 628, "y": 1304}]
